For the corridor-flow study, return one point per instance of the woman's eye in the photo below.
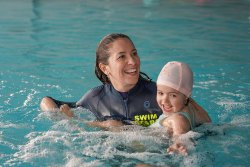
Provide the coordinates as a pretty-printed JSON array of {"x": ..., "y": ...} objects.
[
  {"x": 160, "y": 93},
  {"x": 121, "y": 56}
]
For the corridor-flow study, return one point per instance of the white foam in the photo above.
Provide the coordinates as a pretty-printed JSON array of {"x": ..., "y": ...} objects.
[
  {"x": 29, "y": 98},
  {"x": 67, "y": 143}
]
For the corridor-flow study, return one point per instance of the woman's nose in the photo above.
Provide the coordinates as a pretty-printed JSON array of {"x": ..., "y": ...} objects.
[{"x": 131, "y": 60}]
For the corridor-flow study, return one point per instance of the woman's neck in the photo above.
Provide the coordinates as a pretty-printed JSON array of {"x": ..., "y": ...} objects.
[{"x": 124, "y": 89}]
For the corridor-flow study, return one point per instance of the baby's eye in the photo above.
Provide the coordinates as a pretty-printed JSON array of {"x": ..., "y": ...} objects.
[{"x": 173, "y": 95}]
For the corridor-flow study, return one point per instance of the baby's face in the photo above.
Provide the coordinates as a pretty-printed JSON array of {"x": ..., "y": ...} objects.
[{"x": 169, "y": 99}]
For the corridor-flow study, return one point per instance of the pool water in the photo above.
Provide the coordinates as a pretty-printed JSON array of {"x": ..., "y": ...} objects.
[{"x": 48, "y": 48}]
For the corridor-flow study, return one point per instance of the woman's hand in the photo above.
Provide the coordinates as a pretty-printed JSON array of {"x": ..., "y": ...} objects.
[
  {"x": 109, "y": 124},
  {"x": 66, "y": 110}
]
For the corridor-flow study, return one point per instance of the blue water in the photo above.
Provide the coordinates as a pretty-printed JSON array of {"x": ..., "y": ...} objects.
[{"x": 48, "y": 48}]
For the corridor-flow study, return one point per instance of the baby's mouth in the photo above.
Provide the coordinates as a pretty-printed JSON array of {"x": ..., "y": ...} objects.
[{"x": 167, "y": 108}]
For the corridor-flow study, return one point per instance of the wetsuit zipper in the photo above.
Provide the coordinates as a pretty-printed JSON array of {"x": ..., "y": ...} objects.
[{"x": 126, "y": 106}]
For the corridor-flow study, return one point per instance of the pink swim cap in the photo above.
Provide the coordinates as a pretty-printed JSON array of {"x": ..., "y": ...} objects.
[{"x": 178, "y": 76}]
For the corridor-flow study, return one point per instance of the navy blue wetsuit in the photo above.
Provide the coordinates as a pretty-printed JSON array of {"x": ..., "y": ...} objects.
[{"x": 138, "y": 106}]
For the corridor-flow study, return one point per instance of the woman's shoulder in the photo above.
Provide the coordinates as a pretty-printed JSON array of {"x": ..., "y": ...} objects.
[
  {"x": 148, "y": 84},
  {"x": 201, "y": 116},
  {"x": 96, "y": 90},
  {"x": 92, "y": 95}
]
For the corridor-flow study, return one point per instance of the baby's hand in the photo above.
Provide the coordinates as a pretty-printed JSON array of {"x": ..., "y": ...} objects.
[
  {"x": 66, "y": 110},
  {"x": 178, "y": 148}
]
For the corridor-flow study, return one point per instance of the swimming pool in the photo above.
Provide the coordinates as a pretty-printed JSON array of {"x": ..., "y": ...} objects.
[{"x": 48, "y": 48}]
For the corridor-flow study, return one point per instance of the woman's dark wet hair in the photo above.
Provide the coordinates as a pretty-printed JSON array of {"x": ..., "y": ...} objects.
[{"x": 102, "y": 56}]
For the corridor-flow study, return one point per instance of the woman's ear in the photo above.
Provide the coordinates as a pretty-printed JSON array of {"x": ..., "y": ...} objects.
[{"x": 104, "y": 69}]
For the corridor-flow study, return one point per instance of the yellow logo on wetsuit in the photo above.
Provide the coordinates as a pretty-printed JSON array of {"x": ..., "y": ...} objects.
[{"x": 145, "y": 120}]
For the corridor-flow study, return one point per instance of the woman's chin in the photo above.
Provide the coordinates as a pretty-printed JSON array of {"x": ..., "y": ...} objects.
[{"x": 132, "y": 80}]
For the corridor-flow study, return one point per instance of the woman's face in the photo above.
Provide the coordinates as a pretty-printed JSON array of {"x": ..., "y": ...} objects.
[
  {"x": 169, "y": 99},
  {"x": 123, "y": 65}
]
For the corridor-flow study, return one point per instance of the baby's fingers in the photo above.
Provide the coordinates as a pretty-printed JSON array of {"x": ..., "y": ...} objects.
[{"x": 177, "y": 148}]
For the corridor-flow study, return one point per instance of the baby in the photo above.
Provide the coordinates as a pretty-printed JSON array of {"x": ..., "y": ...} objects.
[{"x": 174, "y": 88}]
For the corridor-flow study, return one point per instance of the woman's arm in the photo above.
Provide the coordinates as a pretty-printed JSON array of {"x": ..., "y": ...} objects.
[
  {"x": 66, "y": 110},
  {"x": 49, "y": 104},
  {"x": 112, "y": 125},
  {"x": 202, "y": 114}
]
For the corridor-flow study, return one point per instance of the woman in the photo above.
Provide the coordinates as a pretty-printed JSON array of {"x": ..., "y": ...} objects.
[{"x": 127, "y": 96}]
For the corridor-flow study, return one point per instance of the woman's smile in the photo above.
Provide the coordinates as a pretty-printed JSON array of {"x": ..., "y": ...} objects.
[{"x": 131, "y": 71}]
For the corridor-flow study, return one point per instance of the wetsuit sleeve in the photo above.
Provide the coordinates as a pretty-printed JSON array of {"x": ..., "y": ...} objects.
[
  {"x": 59, "y": 103},
  {"x": 97, "y": 101},
  {"x": 83, "y": 102},
  {"x": 90, "y": 99}
]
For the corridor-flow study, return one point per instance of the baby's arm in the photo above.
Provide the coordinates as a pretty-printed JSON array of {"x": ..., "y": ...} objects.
[
  {"x": 177, "y": 125},
  {"x": 178, "y": 147}
]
